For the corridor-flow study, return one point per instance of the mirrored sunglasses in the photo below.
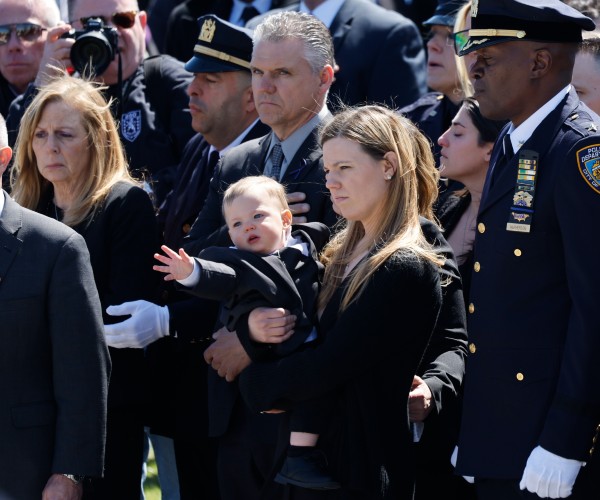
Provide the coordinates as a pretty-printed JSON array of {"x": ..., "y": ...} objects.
[
  {"x": 460, "y": 40},
  {"x": 123, "y": 20},
  {"x": 28, "y": 32}
]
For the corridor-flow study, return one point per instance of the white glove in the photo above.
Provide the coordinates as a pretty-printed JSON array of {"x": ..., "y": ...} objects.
[
  {"x": 548, "y": 475},
  {"x": 148, "y": 322},
  {"x": 468, "y": 479}
]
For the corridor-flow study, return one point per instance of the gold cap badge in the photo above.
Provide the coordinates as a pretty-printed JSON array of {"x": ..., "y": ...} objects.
[{"x": 208, "y": 31}]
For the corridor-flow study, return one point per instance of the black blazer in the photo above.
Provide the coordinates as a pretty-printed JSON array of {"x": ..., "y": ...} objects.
[
  {"x": 183, "y": 29},
  {"x": 54, "y": 364},
  {"x": 304, "y": 173},
  {"x": 365, "y": 366},
  {"x": 122, "y": 239},
  {"x": 380, "y": 54}
]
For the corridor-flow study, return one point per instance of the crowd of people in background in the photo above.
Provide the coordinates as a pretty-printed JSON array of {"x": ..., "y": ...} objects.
[{"x": 326, "y": 249}]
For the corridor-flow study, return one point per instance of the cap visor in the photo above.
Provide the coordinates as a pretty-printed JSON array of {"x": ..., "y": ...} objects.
[
  {"x": 210, "y": 65},
  {"x": 476, "y": 43}
]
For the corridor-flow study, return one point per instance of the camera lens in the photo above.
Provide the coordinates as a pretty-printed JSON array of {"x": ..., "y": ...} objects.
[{"x": 91, "y": 53}]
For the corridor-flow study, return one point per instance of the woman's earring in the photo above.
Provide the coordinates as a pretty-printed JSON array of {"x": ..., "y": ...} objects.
[{"x": 388, "y": 177}]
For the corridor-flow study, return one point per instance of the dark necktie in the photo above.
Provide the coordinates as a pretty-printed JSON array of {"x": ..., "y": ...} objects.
[
  {"x": 248, "y": 13},
  {"x": 276, "y": 161},
  {"x": 501, "y": 162}
]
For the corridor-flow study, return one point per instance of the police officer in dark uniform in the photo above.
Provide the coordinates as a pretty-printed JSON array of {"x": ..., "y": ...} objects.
[
  {"x": 150, "y": 95},
  {"x": 223, "y": 115},
  {"x": 434, "y": 112},
  {"x": 531, "y": 409}
]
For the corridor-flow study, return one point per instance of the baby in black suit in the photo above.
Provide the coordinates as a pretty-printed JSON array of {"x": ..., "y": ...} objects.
[{"x": 269, "y": 266}]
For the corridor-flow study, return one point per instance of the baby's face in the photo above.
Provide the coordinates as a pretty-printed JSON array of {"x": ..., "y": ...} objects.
[{"x": 256, "y": 223}]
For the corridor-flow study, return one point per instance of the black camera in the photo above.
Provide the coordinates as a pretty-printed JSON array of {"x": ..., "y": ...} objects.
[{"x": 94, "y": 48}]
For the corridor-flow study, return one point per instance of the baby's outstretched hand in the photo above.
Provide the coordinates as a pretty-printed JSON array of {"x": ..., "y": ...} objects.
[{"x": 178, "y": 266}]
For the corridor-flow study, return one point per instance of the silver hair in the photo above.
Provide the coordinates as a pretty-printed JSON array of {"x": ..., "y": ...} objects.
[{"x": 292, "y": 25}]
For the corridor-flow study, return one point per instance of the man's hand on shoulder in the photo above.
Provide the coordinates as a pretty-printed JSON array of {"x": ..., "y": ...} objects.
[{"x": 297, "y": 208}]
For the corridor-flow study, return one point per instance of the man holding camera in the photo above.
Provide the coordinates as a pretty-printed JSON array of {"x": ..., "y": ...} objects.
[{"x": 150, "y": 95}]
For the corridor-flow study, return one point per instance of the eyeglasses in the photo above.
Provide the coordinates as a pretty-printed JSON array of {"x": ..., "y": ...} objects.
[
  {"x": 445, "y": 36},
  {"x": 460, "y": 40},
  {"x": 123, "y": 20},
  {"x": 27, "y": 32}
]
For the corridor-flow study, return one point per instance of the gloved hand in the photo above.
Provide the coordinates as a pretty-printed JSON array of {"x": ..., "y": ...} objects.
[
  {"x": 468, "y": 479},
  {"x": 148, "y": 322},
  {"x": 548, "y": 475}
]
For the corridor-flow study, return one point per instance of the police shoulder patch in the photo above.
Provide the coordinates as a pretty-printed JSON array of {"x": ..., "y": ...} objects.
[
  {"x": 131, "y": 125},
  {"x": 588, "y": 162}
]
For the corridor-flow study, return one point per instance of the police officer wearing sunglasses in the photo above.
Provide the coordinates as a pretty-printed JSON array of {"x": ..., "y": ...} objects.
[
  {"x": 23, "y": 29},
  {"x": 150, "y": 96}
]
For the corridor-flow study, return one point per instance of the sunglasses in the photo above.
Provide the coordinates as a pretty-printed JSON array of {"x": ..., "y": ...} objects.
[
  {"x": 444, "y": 37},
  {"x": 27, "y": 32},
  {"x": 123, "y": 20},
  {"x": 460, "y": 40}
]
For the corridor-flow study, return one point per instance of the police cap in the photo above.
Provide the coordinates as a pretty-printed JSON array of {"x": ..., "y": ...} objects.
[
  {"x": 445, "y": 13},
  {"x": 221, "y": 46},
  {"x": 498, "y": 21}
]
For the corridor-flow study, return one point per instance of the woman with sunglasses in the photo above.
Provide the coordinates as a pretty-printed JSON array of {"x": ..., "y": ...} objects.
[
  {"x": 23, "y": 29},
  {"x": 446, "y": 75},
  {"x": 149, "y": 96},
  {"x": 70, "y": 166}
]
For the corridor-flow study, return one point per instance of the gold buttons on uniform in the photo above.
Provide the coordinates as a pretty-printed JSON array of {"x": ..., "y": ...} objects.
[
  {"x": 472, "y": 348},
  {"x": 477, "y": 267},
  {"x": 481, "y": 227},
  {"x": 520, "y": 376},
  {"x": 471, "y": 308},
  {"x": 517, "y": 252}
]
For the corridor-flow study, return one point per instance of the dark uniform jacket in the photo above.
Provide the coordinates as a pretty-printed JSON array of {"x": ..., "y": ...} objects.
[
  {"x": 304, "y": 173},
  {"x": 153, "y": 119},
  {"x": 7, "y": 95},
  {"x": 432, "y": 114},
  {"x": 182, "y": 205},
  {"x": 533, "y": 373},
  {"x": 54, "y": 365}
]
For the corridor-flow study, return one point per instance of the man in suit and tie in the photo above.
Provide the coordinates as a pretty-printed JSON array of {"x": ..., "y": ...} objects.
[
  {"x": 54, "y": 364},
  {"x": 292, "y": 70},
  {"x": 379, "y": 52},
  {"x": 182, "y": 29}
]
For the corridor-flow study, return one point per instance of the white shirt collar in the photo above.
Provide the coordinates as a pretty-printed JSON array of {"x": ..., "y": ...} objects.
[
  {"x": 1, "y": 201},
  {"x": 520, "y": 134},
  {"x": 325, "y": 12}
]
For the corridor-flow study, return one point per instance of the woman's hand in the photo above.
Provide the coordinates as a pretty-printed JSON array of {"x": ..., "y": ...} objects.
[
  {"x": 271, "y": 325},
  {"x": 178, "y": 266}
]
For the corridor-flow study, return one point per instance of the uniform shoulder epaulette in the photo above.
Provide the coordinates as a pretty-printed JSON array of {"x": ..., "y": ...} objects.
[{"x": 582, "y": 123}]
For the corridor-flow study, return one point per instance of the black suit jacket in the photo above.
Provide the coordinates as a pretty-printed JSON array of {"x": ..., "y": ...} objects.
[
  {"x": 380, "y": 54},
  {"x": 304, "y": 173},
  {"x": 183, "y": 29},
  {"x": 122, "y": 238},
  {"x": 54, "y": 364}
]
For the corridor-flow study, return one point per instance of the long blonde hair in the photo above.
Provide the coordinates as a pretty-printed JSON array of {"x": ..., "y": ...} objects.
[
  {"x": 107, "y": 160},
  {"x": 411, "y": 192},
  {"x": 464, "y": 82}
]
